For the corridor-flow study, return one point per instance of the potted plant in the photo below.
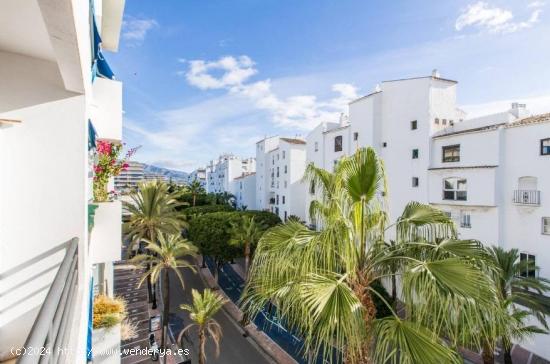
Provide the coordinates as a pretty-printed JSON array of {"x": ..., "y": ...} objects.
[
  {"x": 108, "y": 165},
  {"x": 108, "y": 315},
  {"x": 105, "y": 238}
]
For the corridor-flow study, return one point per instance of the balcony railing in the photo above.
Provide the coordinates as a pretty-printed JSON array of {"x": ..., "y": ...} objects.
[
  {"x": 52, "y": 324},
  {"x": 527, "y": 197}
]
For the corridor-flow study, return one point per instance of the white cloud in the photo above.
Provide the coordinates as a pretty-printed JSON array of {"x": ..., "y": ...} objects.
[
  {"x": 298, "y": 111},
  {"x": 135, "y": 29},
  {"x": 481, "y": 15}
]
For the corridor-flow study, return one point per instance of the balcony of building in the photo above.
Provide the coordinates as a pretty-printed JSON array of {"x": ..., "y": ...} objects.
[
  {"x": 106, "y": 233},
  {"x": 527, "y": 197},
  {"x": 106, "y": 109}
]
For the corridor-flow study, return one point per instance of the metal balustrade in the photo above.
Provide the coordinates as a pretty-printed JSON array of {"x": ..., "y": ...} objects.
[
  {"x": 527, "y": 197},
  {"x": 49, "y": 335}
]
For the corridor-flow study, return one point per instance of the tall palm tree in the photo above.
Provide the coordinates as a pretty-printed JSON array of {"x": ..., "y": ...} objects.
[
  {"x": 195, "y": 188},
  {"x": 152, "y": 211},
  {"x": 246, "y": 234},
  {"x": 516, "y": 284},
  {"x": 165, "y": 256},
  {"x": 322, "y": 282},
  {"x": 202, "y": 312}
]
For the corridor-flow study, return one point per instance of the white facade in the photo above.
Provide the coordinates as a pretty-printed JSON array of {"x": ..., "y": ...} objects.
[
  {"x": 494, "y": 179},
  {"x": 129, "y": 178},
  {"x": 221, "y": 172},
  {"x": 281, "y": 166},
  {"x": 244, "y": 190},
  {"x": 197, "y": 175},
  {"x": 46, "y": 99}
]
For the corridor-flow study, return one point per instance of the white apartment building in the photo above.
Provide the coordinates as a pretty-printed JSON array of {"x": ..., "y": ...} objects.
[
  {"x": 280, "y": 168},
  {"x": 221, "y": 172},
  {"x": 128, "y": 180},
  {"x": 244, "y": 190},
  {"x": 198, "y": 174},
  {"x": 57, "y": 95},
  {"x": 491, "y": 174}
]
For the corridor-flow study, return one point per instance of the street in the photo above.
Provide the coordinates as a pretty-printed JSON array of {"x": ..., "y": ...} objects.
[{"x": 234, "y": 348}]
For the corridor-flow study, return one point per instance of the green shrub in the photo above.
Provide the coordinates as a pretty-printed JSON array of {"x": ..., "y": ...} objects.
[{"x": 192, "y": 212}]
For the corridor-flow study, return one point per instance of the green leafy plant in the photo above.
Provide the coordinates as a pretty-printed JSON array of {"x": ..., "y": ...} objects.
[
  {"x": 108, "y": 165},
  {"x": 108, "y": 311},
  {"x": 202, "y": 312}
]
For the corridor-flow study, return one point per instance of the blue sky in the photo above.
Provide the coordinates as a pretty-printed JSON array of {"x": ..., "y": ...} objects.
[{"x": 203, "y": 77}]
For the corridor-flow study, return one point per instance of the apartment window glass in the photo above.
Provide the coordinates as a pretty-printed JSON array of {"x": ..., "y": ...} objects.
[
  {"x": 527, "y": 264},
  {"x": 415, "y": 154},
  {"x": 277, "y": 156},
  {"x": 284, "y": 154},
  {"x": 545, "y": 147},
  {"x": 465, "y": 220},
  {"x": 277, "y": 200},
  {"x": 546, "y": 225},
  {"x": 285, "y": 215},
  {"x": 384, "y": 144},
  {"x": 451, "y": 153},
  {"x": 316, "y": 146},
  {"x": 286, "y": 184},
  {"x": 286, "y": 169},
  {"x": 355, "y": 136},
  {"x": 277, "y": 171},
  {"x": 283, "y": 200},
  {"x": 312, "y": 188},
  {"x": 414, "y": 125},
  {"x": 338, "y": 143},
  {"x": 455, "y": 189},
  {"x": 444, "y": 121},
  {"x": 415, "y": 181},
  {"x": 437, "y": 121}
]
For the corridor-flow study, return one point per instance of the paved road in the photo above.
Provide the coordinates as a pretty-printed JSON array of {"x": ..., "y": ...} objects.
[{"x": 234, "y": 348}]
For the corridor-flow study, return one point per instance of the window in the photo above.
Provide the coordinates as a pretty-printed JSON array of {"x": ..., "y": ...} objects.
[
  {"x": 286, "y": 169},
  {"x": 277, "y": 156},
  {"x": 277, "y": 171},
  {"x": 338, "y": 143},
  {"x": 384, "y": 144},
  {"x": 415, "y": 154},
  {"x": 451, "y": 153},
  {"x": 444, "y": 122},
  {"x": 415, "y": 181},
  {"x": 414, "y": 125},
  {"x": 316, "y": 146},
  {"x": 285, "y": 215},
  {"x": 355, "y": 136},
  {"x": 285, "y": 184},
  {"x": 454, "y": 189},
  {"x": 335, "y": 164},
  {"x": 312, "y": 188},
  {"x": 465, "y": 221},
  {"x": 527, "y": 265},
  {"x": 277, "y": 200},
  {"x": 546, "y": 225},
  {"x": 437, "y": 121},
  {"x": 545, "y": 147},
  {"x": 283, "y": 200},
  {"x": 284, "y": 154}
]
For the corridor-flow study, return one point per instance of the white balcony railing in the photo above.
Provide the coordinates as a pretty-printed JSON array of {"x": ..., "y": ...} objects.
[
  {"x": 106, "y": 235},
  {"x": 527, "y": 197}
]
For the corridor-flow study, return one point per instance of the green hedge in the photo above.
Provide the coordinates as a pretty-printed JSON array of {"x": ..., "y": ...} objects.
[
  {"x": 206, "y": 209},
  {"x": 210, "y": 232}
]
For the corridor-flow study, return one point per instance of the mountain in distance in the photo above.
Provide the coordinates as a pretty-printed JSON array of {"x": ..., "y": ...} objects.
[{"x": 176, "y": 176}]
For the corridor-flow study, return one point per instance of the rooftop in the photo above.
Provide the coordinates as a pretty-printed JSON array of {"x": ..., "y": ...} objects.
[{"x": 293, "y": 141}]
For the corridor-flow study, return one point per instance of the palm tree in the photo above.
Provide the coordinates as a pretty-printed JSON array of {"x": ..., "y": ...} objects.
[
  {"x": 322, "y": 282},
  {"x": 195, "y": 188},
  {"x": 516, "y": 283},
  {"x": 202, "y": 312},
  {"x": 152, "y": 211},
  {"x": 165, "y": 256},
  {"x": 246, "y": 234}
]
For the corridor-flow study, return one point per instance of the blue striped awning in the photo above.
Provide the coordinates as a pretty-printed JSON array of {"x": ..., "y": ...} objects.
[
  {"x": 92, "y": 135},
  {"x": 100, "y": 67}
]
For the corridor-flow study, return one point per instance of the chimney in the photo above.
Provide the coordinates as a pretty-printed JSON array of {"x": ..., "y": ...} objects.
[
  {"x": 377, "y": 88},
  {"x": 343, "y": 119},
  {"x": 519, "y": 110},
  {"x": 435, "y": 73}
]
